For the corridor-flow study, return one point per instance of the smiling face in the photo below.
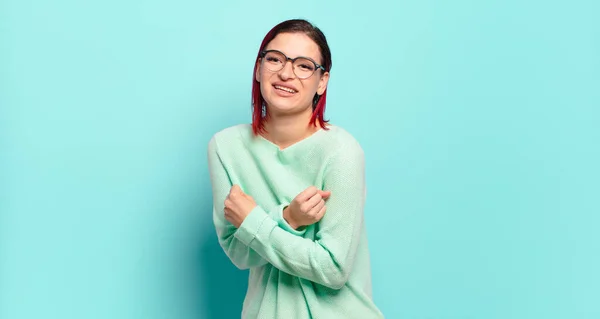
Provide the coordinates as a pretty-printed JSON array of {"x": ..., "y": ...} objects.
[{"x": 283, "y": 91}]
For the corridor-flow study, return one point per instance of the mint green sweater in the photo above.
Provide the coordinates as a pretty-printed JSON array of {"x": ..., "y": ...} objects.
[{"x": 322, "y": 271}]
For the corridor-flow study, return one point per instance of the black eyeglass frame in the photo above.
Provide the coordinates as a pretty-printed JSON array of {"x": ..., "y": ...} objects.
[{"x": 317, "y": 65}]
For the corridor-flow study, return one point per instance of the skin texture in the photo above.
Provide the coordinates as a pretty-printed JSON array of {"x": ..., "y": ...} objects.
[
  {"x": 288, "y": 116},
  {"x": 292, "y": 45}
]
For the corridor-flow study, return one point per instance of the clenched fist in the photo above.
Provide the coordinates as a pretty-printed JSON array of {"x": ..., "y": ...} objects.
[
  {"x": 307, "y": 208},
  {"x": 238, "y": 206}
]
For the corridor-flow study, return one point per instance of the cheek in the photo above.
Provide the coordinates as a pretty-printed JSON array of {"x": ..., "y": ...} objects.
[
  {"x": 261, "y": 74},
  {"x": 264, "y": 82},
  {"x": 265, "y": 78},
  {"x": 311, "y": 88}
]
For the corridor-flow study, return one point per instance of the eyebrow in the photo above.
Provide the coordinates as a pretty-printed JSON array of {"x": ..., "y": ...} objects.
[{"x": 299, "y": 56}]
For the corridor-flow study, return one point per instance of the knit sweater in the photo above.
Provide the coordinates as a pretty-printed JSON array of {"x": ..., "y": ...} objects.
[{"x": 321, "y": 271}]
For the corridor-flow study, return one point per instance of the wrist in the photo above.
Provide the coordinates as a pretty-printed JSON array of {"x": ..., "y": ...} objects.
[
  {"x": 288, "y": 219},
  {"x": 243, "y": 217}
]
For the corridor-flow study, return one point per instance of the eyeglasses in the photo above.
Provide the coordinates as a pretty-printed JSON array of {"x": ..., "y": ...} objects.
[{"x": 303, "y": 67}]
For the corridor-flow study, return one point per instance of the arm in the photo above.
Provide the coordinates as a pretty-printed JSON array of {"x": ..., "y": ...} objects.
[
  {"x": 329, "y": 258},
  {"x": 239, "y": 253}
]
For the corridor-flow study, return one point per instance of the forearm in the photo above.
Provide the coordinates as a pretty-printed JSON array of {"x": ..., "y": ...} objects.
[
  {"x": 328, "y": 259},
  {"x": 239, "y": 253},
  {"x": 326, "y": 262},
  {"x": 242, "y": 256}
]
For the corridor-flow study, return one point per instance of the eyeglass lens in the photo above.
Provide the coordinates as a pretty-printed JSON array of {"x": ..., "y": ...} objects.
[{"x": 303, "y": 68}]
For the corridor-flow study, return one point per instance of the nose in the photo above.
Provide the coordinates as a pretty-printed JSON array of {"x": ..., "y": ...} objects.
[{"x": 288, "y": 71}]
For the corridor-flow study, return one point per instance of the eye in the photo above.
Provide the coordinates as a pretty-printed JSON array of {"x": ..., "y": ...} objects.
[
  {"x": 306, "y": 67},
  {"x": 273, "y": 59}
]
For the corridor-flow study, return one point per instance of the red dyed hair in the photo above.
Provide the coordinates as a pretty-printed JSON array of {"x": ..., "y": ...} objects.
[{"x": 258, "y": 102}]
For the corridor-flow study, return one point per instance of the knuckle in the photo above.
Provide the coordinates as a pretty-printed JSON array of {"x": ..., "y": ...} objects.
[{"x": 304, "y": 207}]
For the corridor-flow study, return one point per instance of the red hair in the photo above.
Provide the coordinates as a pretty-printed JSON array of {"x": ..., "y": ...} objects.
[{"x": 258, "y": 102}]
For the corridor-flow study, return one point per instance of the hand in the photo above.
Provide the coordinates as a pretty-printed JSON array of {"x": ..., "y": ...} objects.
[
  {"x": 238, "y": 206},
  {"x": 307, "y": 208}
]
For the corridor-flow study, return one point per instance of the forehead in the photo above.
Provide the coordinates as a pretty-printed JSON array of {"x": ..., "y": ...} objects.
[{"x": 294, "y": 45}]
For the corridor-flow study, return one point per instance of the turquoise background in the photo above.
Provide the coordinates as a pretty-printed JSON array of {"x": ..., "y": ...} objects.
[{"x": 479, "y": 120}]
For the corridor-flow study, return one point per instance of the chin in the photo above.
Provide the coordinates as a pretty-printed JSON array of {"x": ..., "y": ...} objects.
[
  {"x": 286, "y": 108},
  {"x": 282, "y": 110}
]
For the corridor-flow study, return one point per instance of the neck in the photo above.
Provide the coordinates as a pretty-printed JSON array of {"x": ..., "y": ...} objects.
[{"x": 285, "y": 130}]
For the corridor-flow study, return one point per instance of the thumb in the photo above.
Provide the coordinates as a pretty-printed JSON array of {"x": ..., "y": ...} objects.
[{"x": 325, "y": 194}]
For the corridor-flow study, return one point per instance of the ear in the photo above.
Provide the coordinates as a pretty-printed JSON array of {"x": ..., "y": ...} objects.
[
  {"x": 257, "y": 74},
  {"x": 323, "y": 83}
]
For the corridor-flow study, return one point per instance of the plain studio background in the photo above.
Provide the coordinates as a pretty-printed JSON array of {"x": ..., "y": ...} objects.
[{"x": 479, "y": 121}]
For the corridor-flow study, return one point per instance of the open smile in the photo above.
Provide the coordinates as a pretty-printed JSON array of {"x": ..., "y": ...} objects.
[{"x": 285, "y": 89}]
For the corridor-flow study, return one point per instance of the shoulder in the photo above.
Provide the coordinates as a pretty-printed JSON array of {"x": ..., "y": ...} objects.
[
  {"x": 341, "y": 142},
  {"x": 346, "y": 158},
  {"x": 232, "y": 135},
  {"x": 342, "y": 151}
]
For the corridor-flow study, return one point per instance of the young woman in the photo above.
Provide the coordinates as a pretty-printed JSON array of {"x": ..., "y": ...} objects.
[{"x": 289, "y": 189}]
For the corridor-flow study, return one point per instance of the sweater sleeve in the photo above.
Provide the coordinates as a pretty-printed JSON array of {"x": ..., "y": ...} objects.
[
  {"x": 328, "y": 259},
  {"x": 238, "y": 252}
]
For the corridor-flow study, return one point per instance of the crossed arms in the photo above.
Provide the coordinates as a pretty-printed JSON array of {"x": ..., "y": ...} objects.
[{"x": 265, "y": 237}]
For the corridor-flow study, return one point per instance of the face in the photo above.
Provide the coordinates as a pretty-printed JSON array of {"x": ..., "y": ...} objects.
[{"x": 283, "y": 91}]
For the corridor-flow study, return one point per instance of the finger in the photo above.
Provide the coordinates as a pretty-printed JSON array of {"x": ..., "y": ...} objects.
[
  {"x": 325, "y": 194},
  {"x": 235, "y": 189},
  {"x": 321, "y": 213},
  {"x": 229, "y": 215},
  {"x": 314, "y": 212},
  {"x": 311, "y": 203},
  {"x": 308, "y": 193}
]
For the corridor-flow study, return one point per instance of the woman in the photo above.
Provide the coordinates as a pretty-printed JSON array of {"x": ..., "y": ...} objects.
[{"x": 289, "y": 190}]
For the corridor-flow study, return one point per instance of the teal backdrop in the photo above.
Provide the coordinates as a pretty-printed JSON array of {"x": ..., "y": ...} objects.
[{"x": 479, "y": 121}]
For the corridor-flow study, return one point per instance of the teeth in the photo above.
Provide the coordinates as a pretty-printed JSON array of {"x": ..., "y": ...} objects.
[{"x": 285, "y": 89}]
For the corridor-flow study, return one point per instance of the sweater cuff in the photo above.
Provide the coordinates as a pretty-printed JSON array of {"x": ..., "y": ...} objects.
[
  {"x": 251, "y": 225},
  {"x": 284, "y": 224}
]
